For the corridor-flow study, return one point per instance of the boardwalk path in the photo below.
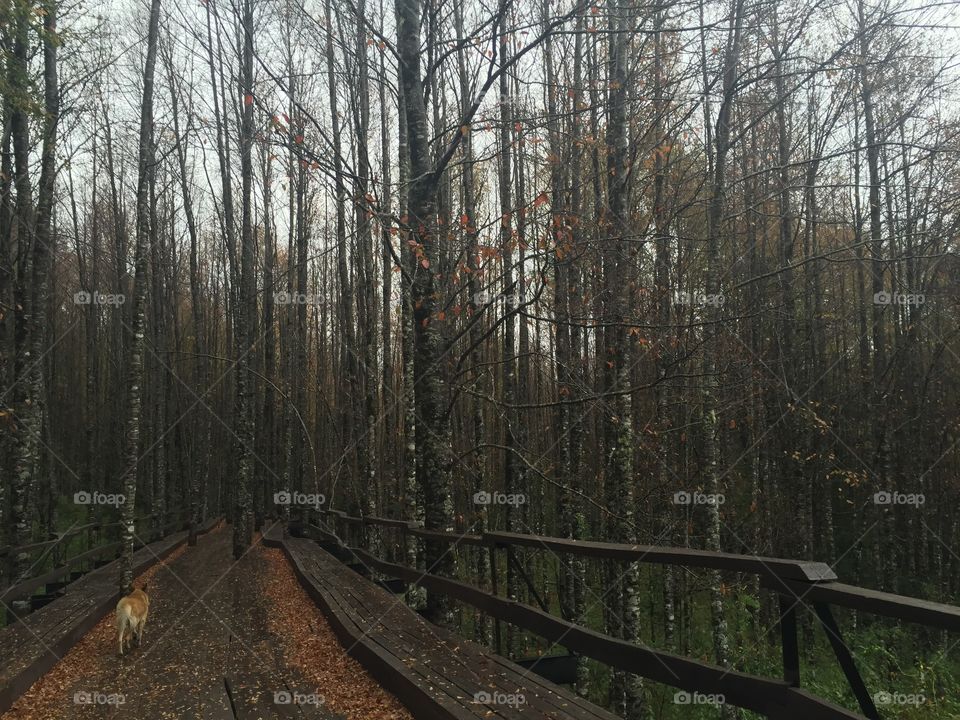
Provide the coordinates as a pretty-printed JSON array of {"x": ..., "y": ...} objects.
[{"x": 224, "y": 640}]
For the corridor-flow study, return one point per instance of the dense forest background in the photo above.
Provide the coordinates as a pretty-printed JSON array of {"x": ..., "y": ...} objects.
[{"x": 679, "y": 273}]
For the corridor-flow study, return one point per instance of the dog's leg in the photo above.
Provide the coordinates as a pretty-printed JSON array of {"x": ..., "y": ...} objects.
[{"x": 121, "y": 638}]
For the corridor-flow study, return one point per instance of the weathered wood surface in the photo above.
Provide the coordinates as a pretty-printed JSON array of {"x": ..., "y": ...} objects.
[
  {"x": 31, "y": 585},
  {"x": 34, "y": 644},
  {"x": 435, "y": 673},
  {"x": 766, "y": 567},
  {"x": 923, "y": 612}
]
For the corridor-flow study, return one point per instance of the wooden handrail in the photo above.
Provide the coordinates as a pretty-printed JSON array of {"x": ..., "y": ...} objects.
[
  {"x": 900, "y": 607},
  {"x": 27, "y": 587},
  {"x": 773, "y": 698},
  {"x": 4, "y": 551},
  {"x": 810, "y": 571},
  {"x": 811, "y": 580},
  {"x": 30, "y": 584},
  {"x": 771, "y": 568}
]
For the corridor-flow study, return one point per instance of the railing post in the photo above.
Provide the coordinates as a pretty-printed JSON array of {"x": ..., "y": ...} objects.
[
  {"x": 788, "y": 638},
  {"x": 91, "y": 532},
  {"x": 494, "y": 585},
  {"x": 846, "y": 661}
]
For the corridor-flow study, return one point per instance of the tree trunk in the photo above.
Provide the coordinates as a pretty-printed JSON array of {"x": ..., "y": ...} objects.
[
  {"x": 136, "y": 344},
  {"x": 432, "y": 429}
]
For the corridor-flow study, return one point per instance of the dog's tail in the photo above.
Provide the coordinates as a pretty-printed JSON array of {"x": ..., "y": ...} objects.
[
  {"x": 123, "y": 624},
  {"x": 123, "y": 619}
]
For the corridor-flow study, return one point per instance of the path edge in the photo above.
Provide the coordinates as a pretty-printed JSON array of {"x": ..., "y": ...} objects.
[{"x": 389, "y": 674}]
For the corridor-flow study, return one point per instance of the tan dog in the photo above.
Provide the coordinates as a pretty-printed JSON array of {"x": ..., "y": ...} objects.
[{"x": 132, "y": 615}]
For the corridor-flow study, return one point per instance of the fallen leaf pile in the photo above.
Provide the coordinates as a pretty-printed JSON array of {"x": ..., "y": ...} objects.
[{"x": 309, "y": 643}]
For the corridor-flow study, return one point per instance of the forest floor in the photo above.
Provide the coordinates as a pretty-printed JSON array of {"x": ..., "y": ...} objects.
[{"x": 224, "y": 639}]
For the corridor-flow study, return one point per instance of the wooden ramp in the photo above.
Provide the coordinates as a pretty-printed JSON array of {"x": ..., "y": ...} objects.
[
  {"x": 34, "y": 644},
  {"x": 435, "y": 673}
]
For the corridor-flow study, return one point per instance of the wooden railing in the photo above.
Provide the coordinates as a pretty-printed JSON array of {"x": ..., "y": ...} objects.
[
  {"x": 52, "y": 564},
  {"x": 796, "y": 582}
]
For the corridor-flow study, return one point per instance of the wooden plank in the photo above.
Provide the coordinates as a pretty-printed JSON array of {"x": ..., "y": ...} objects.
[
  {"x": 388, "y": 522},
  {"x": 900, "y": 607},
  {"x": 442, "y": 659},
  {"x": 462, "y": 668},
  {"x": 253, "y": 697},
  {"x": 386, "y": 670},
  {"x": 448, "y": 537},
  {"x": 373, "y": 633},
  {"x": 764, "y": 566}
]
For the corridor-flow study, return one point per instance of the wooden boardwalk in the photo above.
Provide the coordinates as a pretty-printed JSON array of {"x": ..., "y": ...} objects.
[
  {"x": 31, "y": 646},
  {"x": 244, "y": 640},
  {"x": 207, "y": 653},
  {"x": 435, "y": 673}
]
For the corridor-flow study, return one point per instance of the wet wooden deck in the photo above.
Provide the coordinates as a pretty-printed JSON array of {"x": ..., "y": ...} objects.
[
  {"x": 436, "y": 674},
  {"x": 207, "y": 651},
  {"x": 36, "y": 642}
]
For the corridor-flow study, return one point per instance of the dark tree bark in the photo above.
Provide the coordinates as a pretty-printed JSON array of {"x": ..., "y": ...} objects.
[{"x": 432, "y": 429}]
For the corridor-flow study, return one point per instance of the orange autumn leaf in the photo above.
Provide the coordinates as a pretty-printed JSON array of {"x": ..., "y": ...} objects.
[{"x": 541, "y": 199}]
